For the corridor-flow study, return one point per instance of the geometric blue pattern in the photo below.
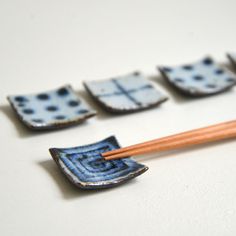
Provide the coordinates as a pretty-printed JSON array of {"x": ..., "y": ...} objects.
[
  {"x": 126, "y": 93},
  {"x": 201, "y": 78},
  {"x": 51, "y": 109},
  {"x": 86, "y": 168}
]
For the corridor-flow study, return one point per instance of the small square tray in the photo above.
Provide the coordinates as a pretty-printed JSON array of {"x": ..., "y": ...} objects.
[
  {"x": 129, "y": 93},
  {"x": 202, "y": 78},
  {"x": 85, "y": 167},
  {"x": 51, "y": 109}
]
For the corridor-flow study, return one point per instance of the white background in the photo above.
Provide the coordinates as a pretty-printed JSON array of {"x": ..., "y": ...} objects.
[{"x": 45, "y": 44}]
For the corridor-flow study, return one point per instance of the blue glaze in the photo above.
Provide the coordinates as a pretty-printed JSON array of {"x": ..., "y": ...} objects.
[
  {"x": 20, "y": 99},
  {"x": 63, "y": 91},
  {"x": 204, "y": 77},
  {"x": 52, "y": 109},
  {"x": 43, "y": 96},
  {"x": 127, "y": 93},
  {"x": 207, "y": 61},
  {"x": 86, "y": 168},
  {"x": 28, "y": 111},
  {"x": 73, "y": 103},
  {"x": 187, "y": 67}
]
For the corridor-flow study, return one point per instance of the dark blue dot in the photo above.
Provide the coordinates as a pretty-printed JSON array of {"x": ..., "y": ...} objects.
[
  {"x": 52, "y": 108},
  {"x": 62, "y": 92},
  {"x": 21, "y": 105},
  {"x": 43, "y": 96},
  {"x": 198, "y": 77},
  {"x": 37, "y": 120},
  {"x": 231, "y": 80},
  {"x": 207, "y": 61},
  {"x": 136, "y": 73},
  {"x": 219, "y": 71},
  {"x": 179, "y": 80},
  {"x": 148, "y": 86},
  {"x": 20, "y": 99},
  {"x": 187, "y": 67},
  {"x": 166, "y": 69},
  {"x": 60, "y": 117},
  {"x": 28, "y": 111},
  {"x": 82, "y": 111},
  {"x": 73, "y": 103},
  {"x": 211, "y": 86}
]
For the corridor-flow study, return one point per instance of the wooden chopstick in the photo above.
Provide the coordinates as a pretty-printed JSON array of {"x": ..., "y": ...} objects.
[
  {"x": 169, "y": 138},
  {"x": 198, "y": 136},
  {"x": 194, "y": 140}
]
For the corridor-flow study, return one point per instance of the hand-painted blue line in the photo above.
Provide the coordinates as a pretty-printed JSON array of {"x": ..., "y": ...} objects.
[
  {"x": 118, "y": 93},
  {"x": 125, "y": 92}
]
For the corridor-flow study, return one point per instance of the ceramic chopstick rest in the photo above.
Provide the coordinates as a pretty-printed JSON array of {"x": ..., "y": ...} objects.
[
  {"x": 129, "y": 93},
  {"x": 85, "y": 167},
  {"x": 202, "y": 78},
  {"x": 51, "y": 109}
]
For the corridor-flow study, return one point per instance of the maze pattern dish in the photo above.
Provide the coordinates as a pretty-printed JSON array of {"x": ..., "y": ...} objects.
[
  {"x": 124, "y": 94},
  {"x": 85, "y": 167},
  {"x": 51, "y": 109},
  {"x": 202, "y": 78}
]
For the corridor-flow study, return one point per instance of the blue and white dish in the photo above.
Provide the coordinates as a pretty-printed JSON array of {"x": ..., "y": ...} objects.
[
  {"x": 232, "y": 58},
  {"x": 202, "y": 78},
  {"x": 124, "y": 94},
  {"x": 51, "y": 109},
  {"x": 86, "y": 168}
]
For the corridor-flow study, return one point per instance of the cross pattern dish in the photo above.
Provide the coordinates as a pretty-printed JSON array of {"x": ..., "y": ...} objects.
[
  {"x": 128, "y": 93},
  {"x": 202, "y": 78},
  {"x": 85, "y": 167},
  {"x": 51, "y": 109}
]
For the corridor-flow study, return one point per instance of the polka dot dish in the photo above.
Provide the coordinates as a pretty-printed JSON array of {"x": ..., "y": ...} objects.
[
  {"x": 85, "y": 167},
  {"x": 202, "y": 78},
  {"x": 124, "y": 94},
  {"x": 52, "y": 109}
]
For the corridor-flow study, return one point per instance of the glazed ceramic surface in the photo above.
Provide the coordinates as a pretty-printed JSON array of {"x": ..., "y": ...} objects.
[
  {"x": 85, "y": 167},
  {"x": 52, "y": 109},
  {"x": 125, "y": 94},
  {"x": 202, "y": 78}
]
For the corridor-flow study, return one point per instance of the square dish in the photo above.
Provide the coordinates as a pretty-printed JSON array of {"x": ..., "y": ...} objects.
[
  {"x": 202, "y": 78},
  {"x": 86, "y": 168},
  {"x": 51, "y": 109},
  {"x": 129, "y": 93}
]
